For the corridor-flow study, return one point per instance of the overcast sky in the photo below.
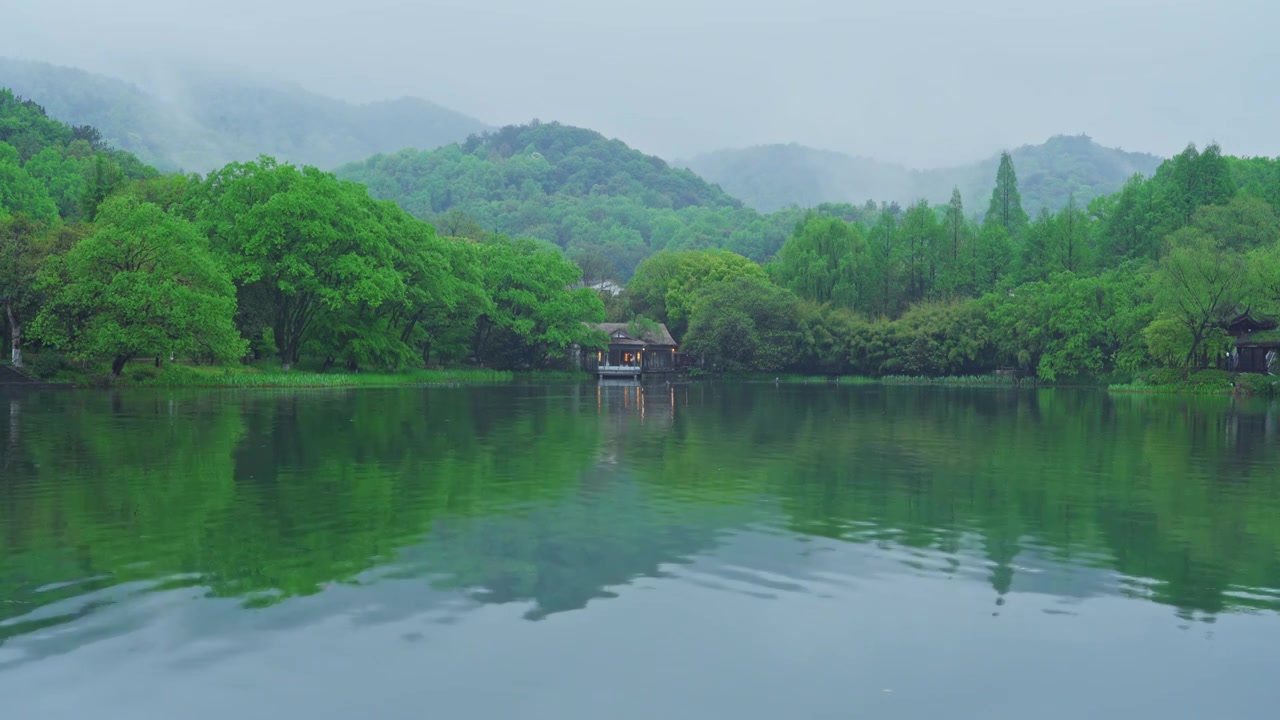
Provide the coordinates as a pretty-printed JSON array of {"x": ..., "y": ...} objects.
[{"x": 926, "y": 82}]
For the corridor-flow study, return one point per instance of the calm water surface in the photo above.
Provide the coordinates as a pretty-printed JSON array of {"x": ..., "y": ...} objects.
[{"x": 705, "y": 551}]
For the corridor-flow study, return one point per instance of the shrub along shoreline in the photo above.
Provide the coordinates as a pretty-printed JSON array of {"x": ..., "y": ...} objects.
[
  {"x": 1158, "y": 382},
  {"x": 179, "y": 375}
]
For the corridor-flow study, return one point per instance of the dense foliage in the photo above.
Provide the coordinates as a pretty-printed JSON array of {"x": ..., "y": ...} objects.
[
  {"x": 608, "y": 206},
  {"x": 257, "y": 260},
  {"x": 204, "y": 121},
  {"x": 103, "y": 260},
  {"x": 1148, "y": 276}
]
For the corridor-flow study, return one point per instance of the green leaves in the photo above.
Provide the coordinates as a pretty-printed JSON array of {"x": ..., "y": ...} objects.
[
  {"x": 667, "y": 285},
  {"x": 746, "y": 323},
  {"x": 316, "y": 244},
  {"x": 1200, "y": 285},
  {"x": 144, "y": 284},
  {"x": 534, "y": 316},
  {"x": 821, "y": 261},
  {"x": 21, "y": 193},
  {"x": 1005, "y": 209}
]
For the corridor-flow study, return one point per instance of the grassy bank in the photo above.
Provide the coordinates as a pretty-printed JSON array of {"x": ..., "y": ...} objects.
[
  {"x": 177, "y": 375},
  {"x": 1205, "y": 382},
  {"x": 956, "y": 381}
]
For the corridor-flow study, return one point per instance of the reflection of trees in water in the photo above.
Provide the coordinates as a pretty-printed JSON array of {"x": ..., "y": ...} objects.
[
  {"x": 554, "y": 495},
  {"x": 1185, "y": 491}
]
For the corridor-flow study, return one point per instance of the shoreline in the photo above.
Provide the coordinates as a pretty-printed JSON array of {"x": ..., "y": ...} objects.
[
  {"x": 1205, "y": 382},
  {"x": 179, "y": 376}
]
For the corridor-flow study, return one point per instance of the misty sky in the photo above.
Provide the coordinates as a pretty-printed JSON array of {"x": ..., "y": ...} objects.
[{"x": 926, "y": 82}]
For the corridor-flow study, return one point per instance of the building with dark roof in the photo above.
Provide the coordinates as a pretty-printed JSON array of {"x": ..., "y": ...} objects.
[{"x": 635, "y": 350}]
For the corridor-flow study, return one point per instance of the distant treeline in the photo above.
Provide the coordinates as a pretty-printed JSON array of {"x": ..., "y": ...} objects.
[{"x": 1146, "y": 277}]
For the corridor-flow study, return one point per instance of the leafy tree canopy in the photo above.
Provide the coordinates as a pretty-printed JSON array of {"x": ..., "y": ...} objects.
[{"x": 144, "y": 284}]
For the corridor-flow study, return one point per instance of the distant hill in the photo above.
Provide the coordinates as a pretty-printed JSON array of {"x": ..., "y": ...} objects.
[
  {"x": 203, "y": 120},
  {"x": 610, "y": 206},
  {"x": 776, "y": 176}
]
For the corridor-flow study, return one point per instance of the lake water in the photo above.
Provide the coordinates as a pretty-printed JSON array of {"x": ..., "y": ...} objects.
[{"x": 701, "y": 551}]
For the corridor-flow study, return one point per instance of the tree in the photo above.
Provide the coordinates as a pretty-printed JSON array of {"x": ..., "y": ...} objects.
[
  {"x": 21, "y": 193},
  {"x": 144, "y": 284},
  {"x": 821, "y": 261},
  {"x": 1198, "y": 286},
  {"x": 991, "y": 257},
  {"x": 1242, "y": 224},
  {"x": 63, "y": 177},
  {"x": 102, "y": 178},
  {"x": 885, "y": 265},
  {"x": 668, "y": 284},
  {"x": 444, "y": 291},
  {"x": 21, "y": 255},
  {"x": 921, "y": 238},
  {"x": 955, "y": 274},
  {"x": 1264, "y": 265},
  {"x": 1071, "y": 250},
  {"x": 1130, "y": 221},
  {"x": 1193, "y": 179},
  {"x": 535, "y": 317},
  {"x": 1071, "y": 326},
  {"x": 955, "y": 225},
  {"x": 1005, "y": 209},
  {"x": 307, "y": 242},
  {"x": 1035, "y": 251},
  {"x": 595, "y": 264},
  {"x": 744, "y": 324}
]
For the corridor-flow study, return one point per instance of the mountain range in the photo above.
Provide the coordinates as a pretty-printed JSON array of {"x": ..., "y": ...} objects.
[
  {"x": 199, "y": 121},
  {"x": 771, "y": 177}
]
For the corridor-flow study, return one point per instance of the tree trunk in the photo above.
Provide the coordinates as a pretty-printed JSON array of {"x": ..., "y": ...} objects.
[
  {"x": 117, "y": 367},
  {"x": 15, "y": 335}
]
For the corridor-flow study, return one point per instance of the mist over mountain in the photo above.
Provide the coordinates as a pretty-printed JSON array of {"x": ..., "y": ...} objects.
[
  {"x": 200, "y": 120},
  {"x": 771, "y": 177}
]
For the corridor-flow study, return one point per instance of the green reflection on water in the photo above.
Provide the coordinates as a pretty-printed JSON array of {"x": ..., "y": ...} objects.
[{"x": 560, "y": 495}]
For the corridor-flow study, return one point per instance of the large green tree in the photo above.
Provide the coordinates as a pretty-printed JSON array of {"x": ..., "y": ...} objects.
[
  {"x": 144, "y": 284},
  {"x": 302, "y": 242},
  {"x": 1130, "y": 221},
  {"x": 1193, "y": 179},
  {"x": 822, "y": 260},
  {"x": 747, "y": 323},
  {"x": 667, "y": 285},
  {"x": 921, "y": 242},
  {"x": 535, "y": 315},
  {"x": 1198, "y": 287}
]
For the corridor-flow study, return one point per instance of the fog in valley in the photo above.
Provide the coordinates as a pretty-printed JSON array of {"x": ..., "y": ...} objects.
[{"x": 926, "y": 83}]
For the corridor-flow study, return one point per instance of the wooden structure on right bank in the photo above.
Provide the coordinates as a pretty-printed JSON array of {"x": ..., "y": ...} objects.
[{"x": 1256, "y": 345}]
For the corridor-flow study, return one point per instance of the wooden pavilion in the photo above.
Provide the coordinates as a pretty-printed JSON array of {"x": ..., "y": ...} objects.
[
  {"x": 1256, "y": 344},
  {"x": 634, "y": 352}
]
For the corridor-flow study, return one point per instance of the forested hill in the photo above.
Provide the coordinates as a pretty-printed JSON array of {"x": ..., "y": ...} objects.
[
  {"x": 50, "y": 170},
  {"x": 203, "y": 120},
  {"x": 606, "y": 204},
  {"x": 776, "y": 176}
]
